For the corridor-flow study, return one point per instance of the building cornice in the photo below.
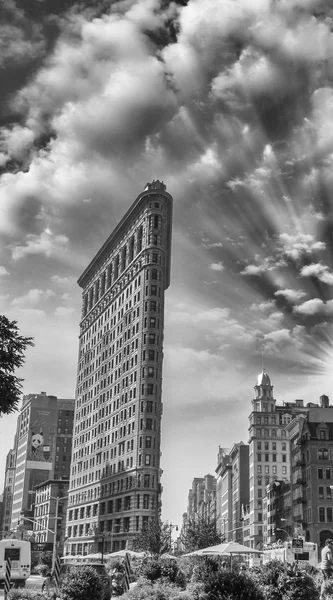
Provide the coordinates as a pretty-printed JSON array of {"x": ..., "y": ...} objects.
[{"x": 120, "y": 230}]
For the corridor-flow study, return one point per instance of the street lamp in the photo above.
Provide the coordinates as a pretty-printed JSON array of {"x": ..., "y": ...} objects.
[
  {"x": 171, "y": 527},
  {"x": 285, "y": 531},
  {"x": 54, "y": 552}
]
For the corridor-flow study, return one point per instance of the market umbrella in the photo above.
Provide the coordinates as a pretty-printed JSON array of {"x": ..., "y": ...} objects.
[
  {"x": 226, "y": 549},
  {"x": 122, "y": 553}
]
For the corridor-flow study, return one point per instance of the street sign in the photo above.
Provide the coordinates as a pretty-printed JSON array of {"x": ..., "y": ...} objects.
[{"x": 297, "y": 544}]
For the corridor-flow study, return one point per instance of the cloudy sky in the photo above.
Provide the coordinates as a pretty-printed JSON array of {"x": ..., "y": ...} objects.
[{"x": 230, "y": 102}]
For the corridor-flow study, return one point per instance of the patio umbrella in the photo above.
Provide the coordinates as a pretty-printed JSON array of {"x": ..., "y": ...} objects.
[
  {"x": 122, "y": 554},
  {"x": 227, "y": 549}
]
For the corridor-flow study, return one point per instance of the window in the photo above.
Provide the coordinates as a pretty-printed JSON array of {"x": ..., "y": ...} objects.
[
  {"x": 320, "y": 473},
  {"x": 329, "y": 514},
  {"x": 259, "y": 469},
  {"x": 148, "y": 441},
  {"x": 153, "y": 290},
  {"x": 323, "y": 454},
  {"x": 321, "y": 514},
  {"x": 146, "y": 481},
  {"x": 266, "y": 469},
  {"x": 258, "y": 432},
  {"x": 149, "y": 424},
  {"x": 266, "y": 445},
  {"x": 284, "y": 458},
  {"x": 258, "y": 457},
  {"x": 322, "y": 434},
  {"x": 320, "y": 492},
  {"x": 147, "y": 460},
  {"x": 150, "y": 389},
  {"x": 284, "y": 470},
  {"x": 258, "y": 445},
  {"x": 328, "y": 492},
  {"x": 328, "y": 473},
  {"x": 274, "y": 469},
  {"x": 266, "y": 457},
  {"x": 145, "y": 501}
]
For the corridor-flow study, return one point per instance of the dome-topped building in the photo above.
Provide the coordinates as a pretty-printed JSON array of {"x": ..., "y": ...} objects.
[
  {"x": 263, "y": 378},
  {"x": 263, "y": 399}
]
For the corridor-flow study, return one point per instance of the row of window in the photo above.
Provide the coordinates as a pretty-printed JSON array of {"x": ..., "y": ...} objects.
[
  {"x": 267, "y": 469},
  {"x": 271, "y": 433}
]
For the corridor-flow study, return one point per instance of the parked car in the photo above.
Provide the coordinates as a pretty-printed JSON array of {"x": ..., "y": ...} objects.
[{"x": 49, "y": 585}]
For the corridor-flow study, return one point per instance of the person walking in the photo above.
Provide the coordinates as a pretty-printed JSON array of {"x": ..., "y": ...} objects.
[{"x": 326, "y": 564}]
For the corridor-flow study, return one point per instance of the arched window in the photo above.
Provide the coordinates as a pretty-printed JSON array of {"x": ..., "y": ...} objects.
[
  {"x": 273, "y": 433},
  {"x": 258, "y": 432},
  {"x": 266, "y": 432},
  {"x": 154, "y": 274},
  {"x": 322, "y": 454}
]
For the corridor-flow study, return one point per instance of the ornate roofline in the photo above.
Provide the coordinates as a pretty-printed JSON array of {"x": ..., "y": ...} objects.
[{"x": 155, "y": 188}]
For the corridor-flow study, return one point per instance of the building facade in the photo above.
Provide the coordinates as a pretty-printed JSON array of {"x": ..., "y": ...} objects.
[
  {"x": 49, "y": 515},
  {"x": 269, "y": 454},
  {"x": 115, "y": 486},
  {"x": 43, "y": 449},
  {"x": 313, "y": 482},
  {"x": 8, "y": 493}
]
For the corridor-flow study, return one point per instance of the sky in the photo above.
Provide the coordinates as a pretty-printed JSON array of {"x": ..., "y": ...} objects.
[{"x": 230, "y": 103}]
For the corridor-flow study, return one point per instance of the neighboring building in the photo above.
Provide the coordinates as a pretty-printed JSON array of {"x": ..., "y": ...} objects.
[
  {"x": 207, "y": 505},
  {"x": 313, "y": 492},
  {"x": 195, "y": 496},
  {"x": 239, "y": 456},
  {"x": 46, "y": 517},
  {"x": 115, "y": 484},
  {"x": 8, "y": 493},
  {"x": 232, "y": 495},
  {"x": 277, "y": 510},
  {"x": 43, "y": 449},
  {"x": 269, "y": 456},
  {"x": 224, "y": 492}
]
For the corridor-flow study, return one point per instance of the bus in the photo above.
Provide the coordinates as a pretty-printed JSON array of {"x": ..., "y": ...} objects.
[
  {"x": 307, "y": 554},
  {"x": 19, "y": 552}
]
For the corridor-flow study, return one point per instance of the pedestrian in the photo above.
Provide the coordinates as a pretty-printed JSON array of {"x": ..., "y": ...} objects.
[{"x": 326, "y": 564}]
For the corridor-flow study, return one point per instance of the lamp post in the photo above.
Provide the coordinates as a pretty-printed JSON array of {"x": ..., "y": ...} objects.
[
  {"x": 171, "y": 527},
  {"x": 281, "y": 529},
  {"x": 54, "y": 552}
]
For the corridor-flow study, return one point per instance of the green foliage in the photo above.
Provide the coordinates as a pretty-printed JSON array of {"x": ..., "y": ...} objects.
[
  {"x": 231, "y": 586},
  {"x": 201, "y": 532},
  {"x": 154, "y": 538},
  {"x": 327, "y": 589},
  {"x": 12, "y": 356},
  {"x": 155, "y": 591},
  {"x": 25, "y": 594},
  {"x": 279, "y": 582},
  {"x": 82, "y": 583}
]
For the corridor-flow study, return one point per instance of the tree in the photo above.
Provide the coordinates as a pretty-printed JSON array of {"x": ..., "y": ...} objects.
[
  {"x": 12, "y": 356},
  {"x": 154, "y": 537},
  {"x": 200, "y": 532}
]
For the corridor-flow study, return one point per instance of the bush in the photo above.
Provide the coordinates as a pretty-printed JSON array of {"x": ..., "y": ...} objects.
[
  {"x": 154, "y": 591},
  {"x": 25, "y": 594},
  {"x": 81, "y": 583},
  {"x": 230, "y": 585},
  {"x": 43, "y": 570},
  {"x": 280, "y": 582}
]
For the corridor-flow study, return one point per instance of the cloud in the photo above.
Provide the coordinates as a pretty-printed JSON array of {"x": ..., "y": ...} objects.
[
  {"x": 318, "y": 270},
  {"x": 291, "y": 295},
  {"x": 3, "y": 271},
  {"x": 217, "y": 266},
  {"x": 44, "y": 243},
  {"x": 294, "y": 246},
  {"x": 315, "y": 306},
  {"x": 63, "y": 311},
  {"x": 32, "y": 298}
]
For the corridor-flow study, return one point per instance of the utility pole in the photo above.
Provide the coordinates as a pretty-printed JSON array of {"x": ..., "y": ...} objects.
[{"x": 54, "y": 553}]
